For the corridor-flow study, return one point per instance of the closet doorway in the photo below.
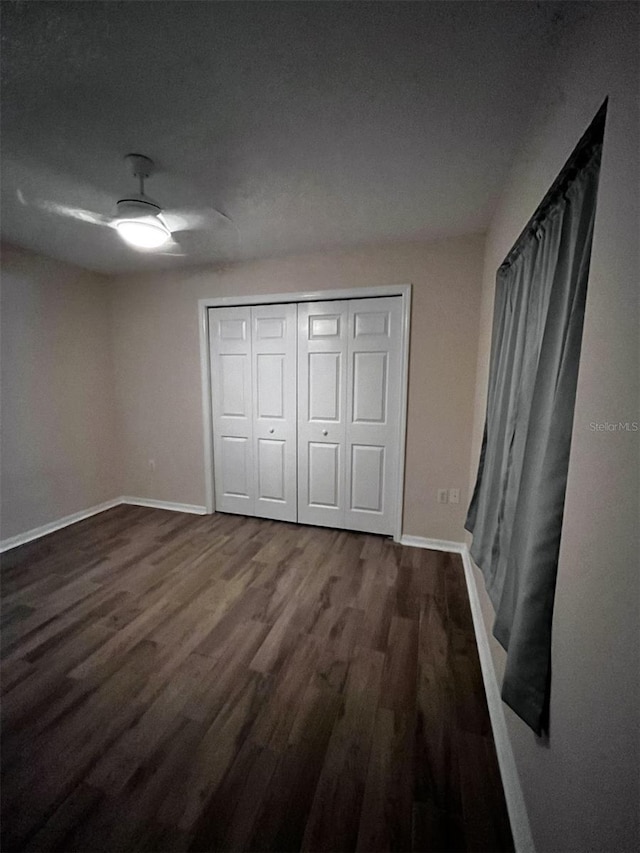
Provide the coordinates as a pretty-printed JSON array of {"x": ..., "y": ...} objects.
[{"x": 304, "y": 406}]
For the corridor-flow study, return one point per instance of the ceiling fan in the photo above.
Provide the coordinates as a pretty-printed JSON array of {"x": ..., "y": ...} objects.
[{"x": 139, "y": 220}]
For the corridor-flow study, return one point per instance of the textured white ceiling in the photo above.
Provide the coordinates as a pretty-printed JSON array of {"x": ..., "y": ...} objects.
[{"x": 312, "y": 125}]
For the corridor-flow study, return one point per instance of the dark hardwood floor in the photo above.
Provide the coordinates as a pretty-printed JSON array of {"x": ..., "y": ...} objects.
[{"x": 177, "y": 682}]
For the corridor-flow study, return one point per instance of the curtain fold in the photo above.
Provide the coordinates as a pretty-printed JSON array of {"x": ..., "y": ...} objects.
[{"x": 516, "y": 510}]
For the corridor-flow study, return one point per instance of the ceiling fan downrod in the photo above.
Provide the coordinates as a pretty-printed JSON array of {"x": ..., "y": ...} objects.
[{"x": 141, "y": 167}]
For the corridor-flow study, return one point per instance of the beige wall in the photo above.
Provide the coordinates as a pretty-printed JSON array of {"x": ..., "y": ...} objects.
[
  {"x": 157, "y": 365},
  {"x": 581, "y": 789},
  {"x": 57, "y": 449}
]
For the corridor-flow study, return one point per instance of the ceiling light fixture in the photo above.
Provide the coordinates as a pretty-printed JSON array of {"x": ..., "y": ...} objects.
[
  {"x": 138, "y": 218},
  {"x": 143, "y": 233}
]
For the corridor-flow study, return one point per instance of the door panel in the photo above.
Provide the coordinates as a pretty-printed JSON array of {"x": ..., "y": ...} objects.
[
  {"x": 270, "y": 371},
  {"x": 367, "y": 473},
  {"x": 270, "y": 327},
  {"x": 271, "y": 470},
  {"x": 324, "y": 472},
  {"x": 369, "y": 387},
  {"x": 235, "y": 469},
  {"x": 232, "y": 328},
  {"x": 274, "y": 334},
  {"x": 349, "y": 385},
  {"x": 231, "y": 387},
  {"x": 368, "y": 323},
  {"x": 325, "y": 326},
  {"x": 325, "y": 385},
  {"x": 322, "y": 361},
  {"x": 373, "y": 416},
  {"x": 234, "y": 383}
]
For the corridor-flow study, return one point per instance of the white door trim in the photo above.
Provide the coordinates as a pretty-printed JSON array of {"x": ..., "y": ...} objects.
[{"x": 403, "y": 290}]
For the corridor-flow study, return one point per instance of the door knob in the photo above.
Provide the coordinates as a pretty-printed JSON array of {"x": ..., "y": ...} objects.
[
  {"x": 271, "y": 430},
  {"x": 325, "y": 432}
]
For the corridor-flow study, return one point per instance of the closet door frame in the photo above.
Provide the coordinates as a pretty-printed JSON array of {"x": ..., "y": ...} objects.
[{"x": 402, "y": 290}]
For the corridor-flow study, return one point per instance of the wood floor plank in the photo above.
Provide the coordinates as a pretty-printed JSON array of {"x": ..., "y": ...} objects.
[
  {"x": 216, "y": 752},
  {"x": 139, "y": 800},
  {"x": 176, "y": 682},
  {"x": 60, "y": 758},
  {"x": 30, "y": 693},
  {"x": 13, "y": 672},
  {"x": 227, "y": 661},
  {"x": 273, "y": 724},
  {"x": 483, "y": 809},
  {"x": 398, "y": 689},
  {"x": 436, "y": 778},
  {"x": 228, "y": 818},
  {"x": 124, "y": 758},
  {"x": 284, "y": 810},
  {"x": 385, "y": 819},
  {"x": 334, "y": 817},
  {"x": 74, "y": 810},
  {"x": 436, "y": 830}
]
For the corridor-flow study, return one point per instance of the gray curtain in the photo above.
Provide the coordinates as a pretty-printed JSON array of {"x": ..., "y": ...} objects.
[{"x": 516, "y": 511}]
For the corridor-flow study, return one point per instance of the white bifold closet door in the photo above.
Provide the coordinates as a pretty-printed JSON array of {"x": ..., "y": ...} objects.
[
  {"x": 331, "y": 457},
  {"x": 253, "y": 376},
  {"x": 349, "y": 393}
]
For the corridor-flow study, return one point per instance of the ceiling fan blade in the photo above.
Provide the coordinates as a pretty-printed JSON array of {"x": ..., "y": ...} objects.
[
  {"x": 171, "y": 253},
  {"x": 183, "y": 220},
  {"x": 171, "y": 247},
  {"x": 195, "y": 218},
  {"x": 74, "y": 213},
  {"x": 198, "y": 228}
]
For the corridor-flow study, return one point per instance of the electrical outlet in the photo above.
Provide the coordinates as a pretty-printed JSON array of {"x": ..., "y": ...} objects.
[
  {"x": 443, "y": 496},
  {"x": 454, "y": 496},
  {"x": 152, "y": 464}
]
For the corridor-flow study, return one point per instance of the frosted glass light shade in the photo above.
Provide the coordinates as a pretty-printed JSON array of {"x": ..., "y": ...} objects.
[{"x": 145, "y": 233}]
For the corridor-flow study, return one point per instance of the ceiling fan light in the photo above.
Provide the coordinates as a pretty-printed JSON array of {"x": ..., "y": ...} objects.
[{"x": 146, "y": 233}]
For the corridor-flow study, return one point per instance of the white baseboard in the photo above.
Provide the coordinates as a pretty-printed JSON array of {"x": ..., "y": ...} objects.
[
  {"x": 37, "y": 532},
  {"x": 432, "y": 544},
  {"x": 194, "y": 509},
  {"x": 518, "y": 817}
]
